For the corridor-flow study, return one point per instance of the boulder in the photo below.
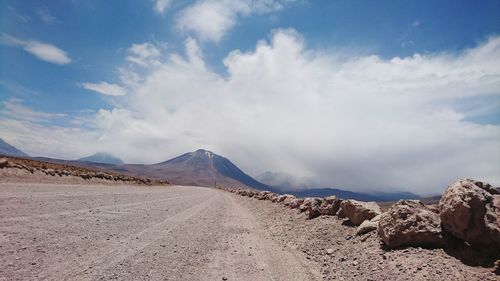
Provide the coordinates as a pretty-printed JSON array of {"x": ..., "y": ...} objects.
[
  {"x": 368, "y": 225},
  {"x": 4, "y": 162},
  {"x": 262, "y": 195},
  {"x": 295, "y": 203},
  {"x": 307, "y": 203},
  {"x": 330, "y": 206},
  {"x": 410, "y": 223},
  {"x": 313, "y": 210},
  {"x": 288, "y": 199},
  {"x": 358, "y": 211},
  {"x": 274, "y": 197},
  {"x": 470, "y": 210},
  {"x": 340, "y": 214}
]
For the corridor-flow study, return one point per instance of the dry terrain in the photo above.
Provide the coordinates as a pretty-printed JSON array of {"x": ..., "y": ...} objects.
[
  {"x": 342, "y": 255},
  {"x": 132, "y": 232},
  {"x": 66, "y": 227}
]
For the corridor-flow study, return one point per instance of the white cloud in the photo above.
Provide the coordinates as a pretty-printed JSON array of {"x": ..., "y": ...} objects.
[
  {"x": 211, "y": 19},
  {"x": 355, "y": 122},
  {"x": 43, "y": 51},
  {"x": 162, "y": 5},
  {"x": 45, "y": 16},
  {"x": 143, "y": 54},
  {"x": 14, "y": 108},
  {"x": 105, "y": 88}
]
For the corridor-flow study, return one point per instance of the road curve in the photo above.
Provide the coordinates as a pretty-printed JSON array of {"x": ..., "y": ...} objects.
[{"x": 99, "y": 232}]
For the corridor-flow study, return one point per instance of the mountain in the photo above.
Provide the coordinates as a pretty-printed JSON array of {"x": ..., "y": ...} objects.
[
  {"x": 9, "y": 150},
  {"x": 102, "y": 157},
  {"x": 201, "y": 167},
  {"x": 308, "y": 187},
  {"x": 345, "y": 194}
]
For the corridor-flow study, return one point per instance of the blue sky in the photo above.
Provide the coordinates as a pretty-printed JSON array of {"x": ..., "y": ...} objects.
[{"x": 117, "y": 75}]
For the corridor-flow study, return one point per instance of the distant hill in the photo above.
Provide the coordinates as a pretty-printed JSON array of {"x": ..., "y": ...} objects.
[
  {"x": 7, "y": 149},
  {"x": 344, "y": 194},
  {"x": 307, "y": 187},
  {"x": 102, "y": 157},
  {"x": 201, "y": 167}
]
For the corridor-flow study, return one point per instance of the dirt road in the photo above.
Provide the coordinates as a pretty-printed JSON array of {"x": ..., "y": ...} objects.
[{"x": 89, "y": 232}]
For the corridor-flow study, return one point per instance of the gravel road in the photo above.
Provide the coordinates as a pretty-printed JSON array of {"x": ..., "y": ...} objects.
[{"x": 102, "y": 232}]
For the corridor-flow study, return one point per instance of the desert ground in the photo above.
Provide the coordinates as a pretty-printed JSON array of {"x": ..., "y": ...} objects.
[
  {"x": 71, "y": 224},
  {"x": 136, "y": 232},
  {"x": 131, "y": 232}
]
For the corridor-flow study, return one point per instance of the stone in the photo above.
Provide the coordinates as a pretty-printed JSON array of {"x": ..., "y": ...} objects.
[
  {"x": 262, "y": 195},
  {"x": 470, "y": 210},
  {"x": 358, "y": 211},
  {"x": 340, "y": 214},
  {"x": 410, "y": 223},
  {"x": 295, "y": 203},
  {"x": 368, "y": 225},
  {"x": 287, "y": 198},
  {"x": 314, "y": 210},
  {"x": 330, "y": 206},
  {"x": 307, "y": 203},
  {"x": 4, "y": 162}
]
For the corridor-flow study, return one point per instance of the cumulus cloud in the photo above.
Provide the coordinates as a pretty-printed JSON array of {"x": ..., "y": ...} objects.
[
  {"x": 105, "y": 88},
  {"x": 211, "y": 19},
  {"x": 160, "y": 6},
  {"x": 43, "y": 51},
  {"x": 347, "y": 121}
]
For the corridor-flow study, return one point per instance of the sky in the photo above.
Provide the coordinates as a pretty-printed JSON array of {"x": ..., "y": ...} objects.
[{"x": 360, "y": 95}]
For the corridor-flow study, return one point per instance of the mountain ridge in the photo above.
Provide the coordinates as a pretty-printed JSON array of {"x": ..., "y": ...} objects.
[
  {"x": 10, "y": 150},
  {"x": 103, "y": 158}
]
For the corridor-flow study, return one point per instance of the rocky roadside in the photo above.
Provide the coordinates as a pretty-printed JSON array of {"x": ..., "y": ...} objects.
[
  {"x": 27, "y": 170},
  {"x": 409, "y": 243}
]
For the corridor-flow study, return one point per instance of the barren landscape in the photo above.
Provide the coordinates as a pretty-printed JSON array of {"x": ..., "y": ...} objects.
[
  {"x": 88, "y": 231},
  {"x": 130, "y": 232}
]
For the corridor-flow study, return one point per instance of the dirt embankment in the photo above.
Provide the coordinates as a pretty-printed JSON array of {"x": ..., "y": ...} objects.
[
  {"x": 14, "y": 169},
  {"x": 342, "y": 253}
]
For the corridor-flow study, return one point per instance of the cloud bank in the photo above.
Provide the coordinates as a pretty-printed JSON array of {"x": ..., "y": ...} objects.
[
  {"x": 42, "y": 51},
  {"x": 209, "y": 20},
  {"x": 348, "y": 121},
  {"x": 160, "y": 6}
]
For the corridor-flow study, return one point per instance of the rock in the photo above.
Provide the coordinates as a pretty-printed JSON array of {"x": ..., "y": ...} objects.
[
  {"x": 358, "y": 211},
  {"x": 295, "y": 203},
  {"x": 330, "y": 206},
  {"x": 287, "y": 198},
  {"x": 262, "y": 195},
  {"x": 496, "y": 267},
  {"x": 314, "y": 209},
  {"x": 51, "y": 172},
  {"x": 4, "y": 162},
  {"x": 329, "y": 251},
  {"x": 271, "y": 196},
  {"x": 311, "y": 206},
  {"x": 368, "y": 225},
  {"x": 410, "y": 223},
  {"x": 307, "y": 203},
  {"x": 340, "y": 214},
  {"x": 470, "y": 210}
]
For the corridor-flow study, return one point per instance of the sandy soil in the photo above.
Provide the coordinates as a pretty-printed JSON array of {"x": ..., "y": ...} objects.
[
  {"x": 126, "y": 232},
  {"x": 342, "y": 255}
]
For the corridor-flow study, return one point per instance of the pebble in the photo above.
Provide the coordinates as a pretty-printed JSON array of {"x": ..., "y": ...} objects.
[{"x": 329, "y": 251}]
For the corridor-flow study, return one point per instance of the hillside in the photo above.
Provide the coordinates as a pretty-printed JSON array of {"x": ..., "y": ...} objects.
[{"x": 9, "y": 150}]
